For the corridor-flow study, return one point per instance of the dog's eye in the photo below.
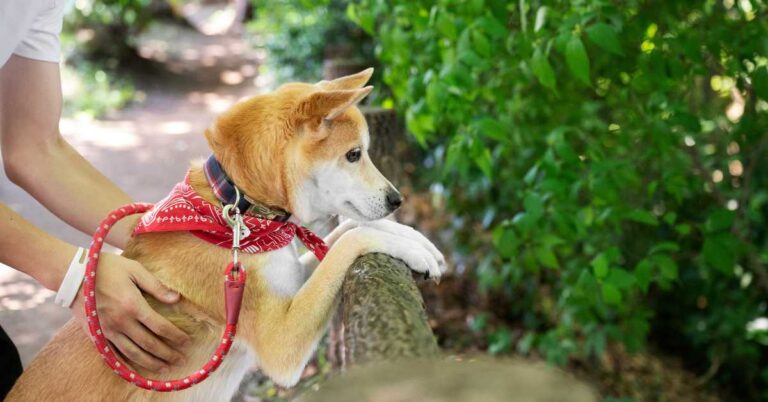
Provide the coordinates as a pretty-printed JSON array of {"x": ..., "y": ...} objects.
[{"x": 354, "y": 155}]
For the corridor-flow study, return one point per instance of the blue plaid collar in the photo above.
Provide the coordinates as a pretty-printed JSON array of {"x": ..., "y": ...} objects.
[{"x": 224, "y": 189}]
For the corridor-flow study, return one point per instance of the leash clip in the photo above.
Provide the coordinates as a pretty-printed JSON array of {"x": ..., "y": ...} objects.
[
  {"x": 239, "y": 229},
  {"x": 235, "y": 274}
]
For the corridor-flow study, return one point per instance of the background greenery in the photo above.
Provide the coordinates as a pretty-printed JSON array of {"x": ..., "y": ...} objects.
[
  {"x": 98, "y": 39},
  {"x": 602, "y": 162},
  {"x": 298, "y": 34},
  {"x": 613, "y": 153}
]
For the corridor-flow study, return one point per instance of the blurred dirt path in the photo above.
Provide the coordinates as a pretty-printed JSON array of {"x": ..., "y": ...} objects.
[{"x": 145, "y": 149}]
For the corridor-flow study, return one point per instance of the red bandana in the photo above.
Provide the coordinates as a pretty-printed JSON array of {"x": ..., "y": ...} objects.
[{"x": 184, "y": 210}]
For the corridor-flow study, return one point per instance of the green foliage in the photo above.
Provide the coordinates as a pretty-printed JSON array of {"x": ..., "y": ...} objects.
[
  {"x": 612, "y": 154},
  {"x": 90, "y": 91},
  {"x": 298, "y": 34},
  {"x": 105, "y": 28},
  {"x": 95, "y": 41}
]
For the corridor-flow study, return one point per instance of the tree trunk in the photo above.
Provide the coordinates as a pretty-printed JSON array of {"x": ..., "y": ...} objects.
[
  {"x": 388, "y": 143},
  {"x": 382, "y": 313}
]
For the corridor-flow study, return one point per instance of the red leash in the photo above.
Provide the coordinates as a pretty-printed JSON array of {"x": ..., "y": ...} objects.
[{"x": 233, "y": 293}]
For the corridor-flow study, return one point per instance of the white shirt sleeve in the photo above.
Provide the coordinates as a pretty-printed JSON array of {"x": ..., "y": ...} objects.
[{"x": 31, "y": 28}]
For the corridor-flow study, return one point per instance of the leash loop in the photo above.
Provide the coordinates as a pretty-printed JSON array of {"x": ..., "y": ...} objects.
[{"x": 233, "y": 296}]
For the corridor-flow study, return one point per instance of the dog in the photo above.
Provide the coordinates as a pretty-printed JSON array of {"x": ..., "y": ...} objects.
[{"x": 302, "y": 148}]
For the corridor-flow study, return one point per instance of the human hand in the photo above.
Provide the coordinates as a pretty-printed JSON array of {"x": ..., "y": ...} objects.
[{"x": 143, "y": 336}]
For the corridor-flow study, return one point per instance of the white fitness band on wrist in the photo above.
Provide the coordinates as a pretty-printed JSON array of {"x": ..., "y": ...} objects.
[{"x": 72, "y": 280}]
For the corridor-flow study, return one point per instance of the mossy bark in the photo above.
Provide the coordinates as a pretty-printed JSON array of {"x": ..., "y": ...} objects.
[{"x": 382, "y": 313}]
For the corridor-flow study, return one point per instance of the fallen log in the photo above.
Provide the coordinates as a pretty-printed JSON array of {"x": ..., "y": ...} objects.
[{"x": 382, "y": 313}]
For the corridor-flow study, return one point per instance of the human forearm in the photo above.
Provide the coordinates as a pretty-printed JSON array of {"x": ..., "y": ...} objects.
[
  {"x": 70, "y": 187},
  {"x": 31, "y": 250},
  {"x": 39, "y": 160},
  {"x": 36, "y": 158}
]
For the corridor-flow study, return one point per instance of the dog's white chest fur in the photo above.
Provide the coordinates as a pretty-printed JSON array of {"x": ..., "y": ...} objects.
[{"x": 283, "y": 271}]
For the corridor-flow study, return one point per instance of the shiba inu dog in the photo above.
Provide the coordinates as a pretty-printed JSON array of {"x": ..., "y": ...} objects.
[{"x": 302, "y": 148}]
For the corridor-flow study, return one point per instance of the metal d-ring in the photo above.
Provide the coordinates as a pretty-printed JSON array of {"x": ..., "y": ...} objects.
[
  {"x": 235, "y": 223},
  {"x": 226, "y": 209}
]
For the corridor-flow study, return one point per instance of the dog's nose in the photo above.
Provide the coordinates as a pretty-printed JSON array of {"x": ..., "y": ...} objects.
[{"x": 394, "y": 199}]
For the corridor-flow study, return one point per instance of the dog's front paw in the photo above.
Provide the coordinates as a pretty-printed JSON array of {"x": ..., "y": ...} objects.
[
  {"x": 407, "y": 232},
  {"x": 418, "y": 258},
  {"x": 415, "y": 254}
]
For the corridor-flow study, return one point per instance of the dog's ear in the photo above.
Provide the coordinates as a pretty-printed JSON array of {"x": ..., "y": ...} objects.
[
  {"x": 353, "y": 81},
  {"x": 330, "y": 104}
]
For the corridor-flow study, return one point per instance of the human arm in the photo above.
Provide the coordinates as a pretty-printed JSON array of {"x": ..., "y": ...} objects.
[
  {"x": 45, "y": 258},
  {"x": 40, "y": 161}
]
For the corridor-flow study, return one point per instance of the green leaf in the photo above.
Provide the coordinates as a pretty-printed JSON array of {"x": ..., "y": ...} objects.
[
  {"x": 644, "y": 274},
  {"x": 482, "y": 44},
  {"x": 760, "y": 82},
  {"x": 436, "y": 94},
  {"x": 500, "y": 341},
  {"x": 667, "y": 266},
  {"x": 642, "y": 216},
  {"x": 541, "y": 18},
  {"x": 530, "y": 176},
  {"x": 600, "y": 265},
  {"x": 420, "y": 124},
  {"x": 546, "y": 257},
  {"x": 720, "y": 219},
  {"x": 543, "y": 70},
  {"x": 670, "y": 218},
  {"x": 485, "y": 162},
  {"x": 505, "y": 241},
  {"x": 577, "y": 60},
  {"x": 492, "y": 128},
  {"x": 596, "y": 343},
  {"x": 683, "y": 229},
  {"x": 526, "y": 343},
  {"x": 365, "y": 19},
  {"x": 446, "y": 25},
  {"x": 534, "y": 205},
  {"x": 604, "y": 36},
  {"x": 664, "y": 246},
  {"x": 621, "y": 278},
  {"x": 719, "y": 252},
  {"x": 492, "y": 26},
  {"x": 611, "y": 294}
]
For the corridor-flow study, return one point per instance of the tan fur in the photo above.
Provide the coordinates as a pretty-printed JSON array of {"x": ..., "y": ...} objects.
[{"x": 268, "y": 144}]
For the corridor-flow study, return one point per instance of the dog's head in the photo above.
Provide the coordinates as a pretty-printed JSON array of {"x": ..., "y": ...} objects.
[{"x": 304, "y": 148}]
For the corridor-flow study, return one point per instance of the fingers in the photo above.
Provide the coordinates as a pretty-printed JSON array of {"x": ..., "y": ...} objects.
[
  {"x": 153, "y": 345},
  {"x": 127, "y": 319},
  {"x": 161, "y": 326},
  {"x": 148, "y": 283},
  {"x": 137, "y": 355}
]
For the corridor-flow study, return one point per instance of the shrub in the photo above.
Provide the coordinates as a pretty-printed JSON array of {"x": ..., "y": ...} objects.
[
  {"x": 298, "y": 33},
  {"x": 611, "y": 157},
  {"x": 108, "y": 27}
]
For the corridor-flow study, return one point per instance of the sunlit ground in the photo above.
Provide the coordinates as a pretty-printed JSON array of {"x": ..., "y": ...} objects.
[{"x": 16, "y": 294}]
